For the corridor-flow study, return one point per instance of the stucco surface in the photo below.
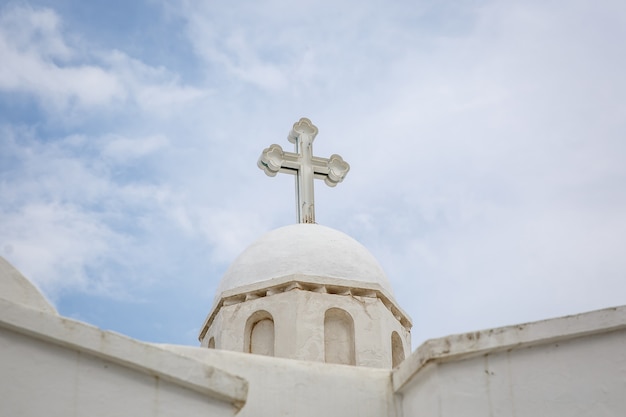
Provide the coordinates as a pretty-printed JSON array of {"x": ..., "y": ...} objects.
[
  {"x": 299, "y": 325},
  {"x": 55, "y": 366},
  {"x": 304, "y": 249},
  {"x": 39, "y": 379},
  {"x": 292, "y": 388},
  {"x": 580, "y": 377},
  {"x": 570, "y": 366}
]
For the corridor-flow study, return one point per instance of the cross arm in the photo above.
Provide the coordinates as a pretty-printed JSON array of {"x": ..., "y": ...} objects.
[
  {"x": 274, "y": 160},
  {"x": 332, "y": 170}
]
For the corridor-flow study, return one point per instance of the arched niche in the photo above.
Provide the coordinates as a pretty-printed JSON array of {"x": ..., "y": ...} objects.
[
  {"x": 259, "y": 336},
  {"x": 339, "y": 337},
  {"x": 212, "y": 343},
  {"x": 397, "y": 350}
]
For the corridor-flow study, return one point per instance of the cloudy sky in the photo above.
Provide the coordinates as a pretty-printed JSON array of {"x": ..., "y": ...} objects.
[{"x": 487, "y": 144}]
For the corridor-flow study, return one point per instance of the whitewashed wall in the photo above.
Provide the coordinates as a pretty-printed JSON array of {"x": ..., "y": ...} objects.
[
  {"x": 292, "y": 388},
  {"x": 575, "y": 366},
  {"x": 52, "y": 366}
]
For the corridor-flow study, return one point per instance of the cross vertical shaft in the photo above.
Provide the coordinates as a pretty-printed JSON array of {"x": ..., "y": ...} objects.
[
  {"x": 304, "y": 166},
  {"x": 304, "y": 180}
]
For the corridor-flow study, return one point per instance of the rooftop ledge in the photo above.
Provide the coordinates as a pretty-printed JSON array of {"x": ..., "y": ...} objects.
[
  {"x": 462, "y": 346},
  {"x": 143, "y": 357}
]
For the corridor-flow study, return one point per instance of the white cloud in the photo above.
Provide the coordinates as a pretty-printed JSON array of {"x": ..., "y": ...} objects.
[
  {"x": 123, "y": 148},
  {"x": 153, "y": 89},
  {"x": 66, "y": 210},
  {"x": 36, "y": 31},
  {"x": 56, "y": 85},
  {"x": 38, "y": 60},
  {"x": 35, "y": 56},
  {"x": 279, "y": 48},
  {"x": 230, "y": 232}
]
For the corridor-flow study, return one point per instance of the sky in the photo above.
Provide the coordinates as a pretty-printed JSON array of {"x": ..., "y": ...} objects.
[{"x": 486, "y": 139}]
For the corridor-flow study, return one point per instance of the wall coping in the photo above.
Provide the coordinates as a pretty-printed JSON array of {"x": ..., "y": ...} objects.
[
  {"x": 130, "y": 353},
  {"x": 466, "y": 345}
]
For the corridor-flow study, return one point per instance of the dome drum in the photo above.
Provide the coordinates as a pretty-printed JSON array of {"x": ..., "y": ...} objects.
[
  {"x": 299, "y": 329},
  {"x": 306, "y": 283},
  {"x": 308, "y": 292}
]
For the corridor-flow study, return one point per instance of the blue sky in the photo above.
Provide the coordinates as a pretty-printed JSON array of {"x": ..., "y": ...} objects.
[{"x": 487, "y": 144}]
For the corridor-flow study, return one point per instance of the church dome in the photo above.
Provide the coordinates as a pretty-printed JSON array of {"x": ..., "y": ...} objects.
[{"x": 305, "y": 250}]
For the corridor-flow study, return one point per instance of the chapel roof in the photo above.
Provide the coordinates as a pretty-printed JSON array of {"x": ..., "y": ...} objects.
[{"x": 304, "y": 250}]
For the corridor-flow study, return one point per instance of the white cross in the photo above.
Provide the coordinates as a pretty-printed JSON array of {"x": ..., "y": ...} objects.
[{"x": 304, "y": 166}]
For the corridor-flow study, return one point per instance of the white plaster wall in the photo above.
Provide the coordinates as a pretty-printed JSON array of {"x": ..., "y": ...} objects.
[
  {"x": 299, "y": 326},
  {"x": 291, "y": 388},
  {"x": 582, "y": 376},
  {"x": 43, "y": 379},
  {"x": 55, "y": 366}
]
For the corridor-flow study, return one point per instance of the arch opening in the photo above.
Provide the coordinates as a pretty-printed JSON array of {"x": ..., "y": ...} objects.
[
  {"x": 339, "y": 337},
  {"x": 397, "y": 350},
  {"x": 259, "y": 337}
]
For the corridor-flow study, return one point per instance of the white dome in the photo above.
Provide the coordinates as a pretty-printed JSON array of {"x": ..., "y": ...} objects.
[{"x": 304, "y": 249}]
